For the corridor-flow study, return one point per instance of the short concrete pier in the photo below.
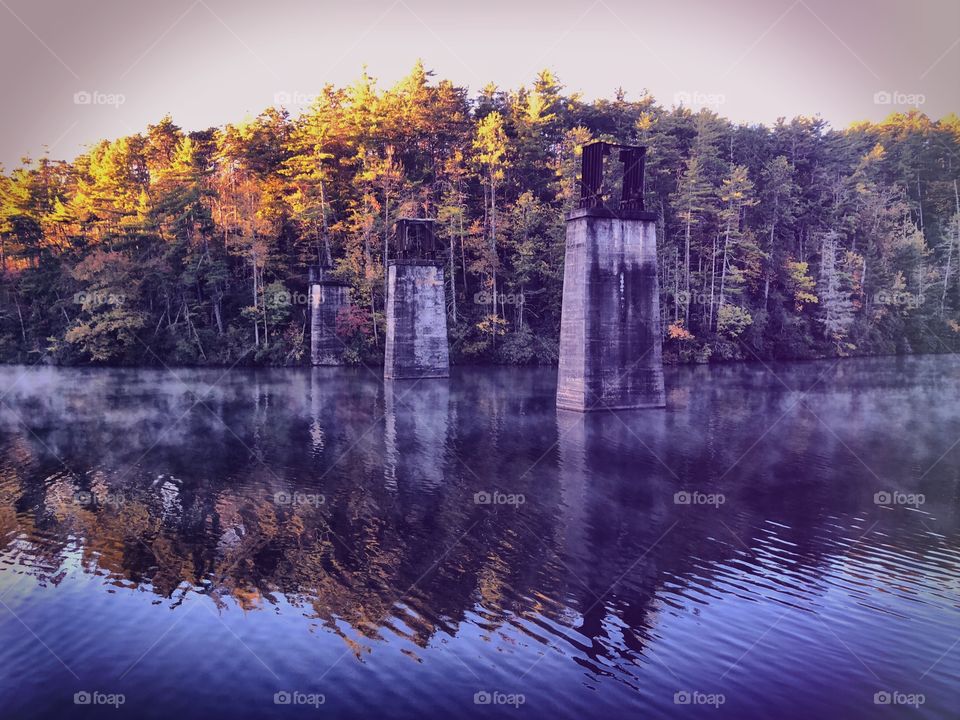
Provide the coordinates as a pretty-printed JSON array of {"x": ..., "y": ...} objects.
[
  {"x": 416, "y": 342},
  {"x": 327, "y": 297},
  {"x": 610, "y": 339}
]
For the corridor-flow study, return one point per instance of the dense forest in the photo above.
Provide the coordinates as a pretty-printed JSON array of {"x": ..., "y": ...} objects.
[{"x": 790, "y": 241}]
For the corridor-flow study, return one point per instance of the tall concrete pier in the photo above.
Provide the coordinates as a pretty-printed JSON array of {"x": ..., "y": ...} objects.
[
  {"x": 610, "y": 354},
  {"x": 327, "y": 297},
  {"x": 416, "y": 343}
]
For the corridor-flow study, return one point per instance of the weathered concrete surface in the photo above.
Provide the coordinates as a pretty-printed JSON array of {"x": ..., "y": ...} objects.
[
  {"x": 610, "y": 356},
  {"x": 416, "y": 321},
  {"x": 326, "y": 300}
]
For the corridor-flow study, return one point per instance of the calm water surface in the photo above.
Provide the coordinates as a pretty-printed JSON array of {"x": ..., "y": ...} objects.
[{"x": 199, "y": 541}]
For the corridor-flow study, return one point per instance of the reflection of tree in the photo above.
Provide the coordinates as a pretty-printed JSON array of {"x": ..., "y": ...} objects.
[{"x": 407, "y": 551}]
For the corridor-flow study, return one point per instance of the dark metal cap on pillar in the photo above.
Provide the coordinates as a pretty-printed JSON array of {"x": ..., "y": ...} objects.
[
  {"x": 416, "y": 241},
  {"x": 595, "y": 192}
]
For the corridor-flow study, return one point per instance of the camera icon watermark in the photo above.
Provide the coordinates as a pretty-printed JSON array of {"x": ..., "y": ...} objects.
[
  {"x": 697, "y": 99},
  {"x": 297, "y": 499},
  {"x": 95, "y": 697},
  {"x": 498, "y": 498},
  {"x": 895, "y": 497},
  {"x": 292, "y": 298},
  {"x": 286, "y": 98},
  {"x": 895, "y": 697},
  {"x": 95, "y": 97},
  {"x": 87, "y": 498},
  {"x": 898, "y": 299},
  {"x": 496, "y": 697},
  {"x": 685, "y": 497},
  {"x": 295, "y": 697},
  {"x": 696, "y": 697},
  {"x": 895, "y": 97},
  {"x": 95, "y": 298},
  {"x": 692, "y": 298},
  {"x": 487, "y": 298}
]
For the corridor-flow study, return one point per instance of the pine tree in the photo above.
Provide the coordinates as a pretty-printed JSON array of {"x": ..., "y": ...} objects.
[{"x": 490, "y": 145}]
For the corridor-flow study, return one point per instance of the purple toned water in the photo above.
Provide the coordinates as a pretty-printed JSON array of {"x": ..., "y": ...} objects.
[{"x": 781, "y": 541}]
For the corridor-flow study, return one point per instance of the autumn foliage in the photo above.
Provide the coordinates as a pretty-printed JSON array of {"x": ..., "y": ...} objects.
[{"x": 192, "y": 247}]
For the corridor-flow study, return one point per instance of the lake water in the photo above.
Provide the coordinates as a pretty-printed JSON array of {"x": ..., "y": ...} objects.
[{"x": 781, "y": 542}]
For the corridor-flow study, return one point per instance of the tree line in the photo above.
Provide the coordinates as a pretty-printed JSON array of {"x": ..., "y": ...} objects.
[{"x": 794, "y": 240}]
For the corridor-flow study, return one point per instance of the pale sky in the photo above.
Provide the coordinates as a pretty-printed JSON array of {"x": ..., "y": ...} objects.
[{"x": 75, "y": 71}]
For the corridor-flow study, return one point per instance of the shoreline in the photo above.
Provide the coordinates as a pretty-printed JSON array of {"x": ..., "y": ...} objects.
[{"x": 494, "y": 366}]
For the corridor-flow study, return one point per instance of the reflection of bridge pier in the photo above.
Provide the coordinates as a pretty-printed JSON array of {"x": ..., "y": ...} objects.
[
  {"x": 343, "y": 403},
  {"x": 609, "y": 527},
  {"x": 318, "y": 438},
  {"x": 415, "y": 434},
  {"x": 603, "y": 490},
  {"x": 571, "y": 435}
]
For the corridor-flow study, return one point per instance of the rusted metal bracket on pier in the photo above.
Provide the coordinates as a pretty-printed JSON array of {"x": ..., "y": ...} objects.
[
  {"x": 633, "y": 158},
  {"x": 415, "y": 239}
]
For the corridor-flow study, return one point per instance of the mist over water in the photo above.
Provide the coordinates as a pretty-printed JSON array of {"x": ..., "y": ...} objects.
[{"x": 781, "y": 541}]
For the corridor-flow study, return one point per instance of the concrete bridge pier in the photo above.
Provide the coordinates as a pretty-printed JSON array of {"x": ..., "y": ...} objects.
[
  {"x": 416, "y": 342},
  {"x": 327, "y": 297},
  {"x": 610, "y": 338}
]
